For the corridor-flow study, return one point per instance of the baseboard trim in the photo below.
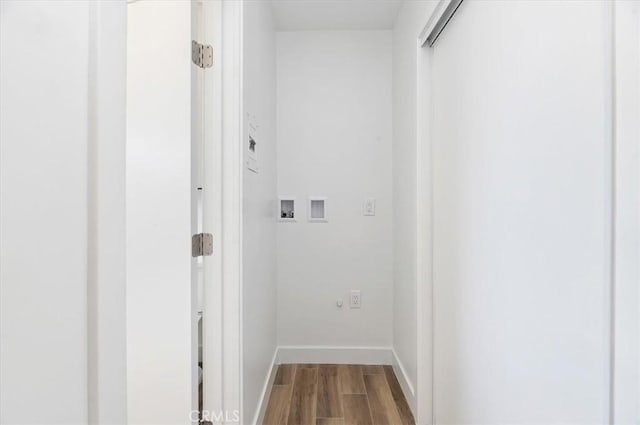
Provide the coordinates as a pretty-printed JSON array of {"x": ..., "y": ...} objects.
[
  {"x": 258, "y": 418},
  {"x": 405, "y": 383},
  {"x": 335, "y": 355}
]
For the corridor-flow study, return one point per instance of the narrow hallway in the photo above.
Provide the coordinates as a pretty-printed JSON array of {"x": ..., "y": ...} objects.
[{"x": 336, "y": 395}]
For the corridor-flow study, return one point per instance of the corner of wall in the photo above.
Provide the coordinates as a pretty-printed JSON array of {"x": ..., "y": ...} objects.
[
  {"x": 261, "y": 408},
  {"x": 408, "y": 387}
]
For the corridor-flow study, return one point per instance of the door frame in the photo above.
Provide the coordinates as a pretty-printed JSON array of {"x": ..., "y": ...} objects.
[
  {"x": 230, "y": 21},
  {"x": 107, "y": 383},
  {"x": 222, "y": 328},
  {"x": 424, "y": 231},
  {"x": 424, "y": 219}
]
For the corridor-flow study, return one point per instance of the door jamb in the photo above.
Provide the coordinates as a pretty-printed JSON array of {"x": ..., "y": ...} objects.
[
  {"x": 424, "y": 222},
  {"x": 424, "y": 227},
  {"x": 222, "y": 327},
  {"x": 232, "y": 177}
]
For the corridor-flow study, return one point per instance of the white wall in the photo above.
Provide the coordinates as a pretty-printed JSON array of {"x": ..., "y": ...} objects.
[
  {"x": 411, "y": 18},
  {"x": 62, "y": 322},
  {"x": 521, "y": 157},
  {"x": 43, "y": 221},
  {"x": 334, "y": 140},
  {"x": 259, "y": 219},
  {"x": 159, "y": 212},
  {"x": 627, "y": 315}
]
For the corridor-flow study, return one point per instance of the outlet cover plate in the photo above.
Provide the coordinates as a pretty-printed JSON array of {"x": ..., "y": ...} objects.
[
  {"x": 355, "y": 300},
  {"x": 369, "y": 207}
]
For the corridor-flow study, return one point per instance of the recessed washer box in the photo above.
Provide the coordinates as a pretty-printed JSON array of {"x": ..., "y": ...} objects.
[
  {"x": 317, "y": 211},
  {"x": 286, "y": 208}
]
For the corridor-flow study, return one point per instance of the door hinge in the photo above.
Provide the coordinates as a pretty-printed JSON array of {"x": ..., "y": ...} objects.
[
  {"x": 201, "y": 245},
  {"x": 201, "y": 54}
]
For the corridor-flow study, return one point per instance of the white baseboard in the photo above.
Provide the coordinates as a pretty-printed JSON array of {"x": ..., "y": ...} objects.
[
  {"x": 405, "y": 383},
  {"x": 335, "y": 355},
  {"x": 258, "y": 418}
]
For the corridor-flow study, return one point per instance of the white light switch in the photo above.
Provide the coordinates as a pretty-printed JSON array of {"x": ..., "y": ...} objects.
[{"x": 369, "y": 207}]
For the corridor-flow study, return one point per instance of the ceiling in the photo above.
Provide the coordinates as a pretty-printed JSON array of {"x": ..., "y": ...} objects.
[{"x": 309, "y": 15}]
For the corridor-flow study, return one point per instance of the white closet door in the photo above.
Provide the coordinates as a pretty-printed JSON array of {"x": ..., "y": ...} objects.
[
  {"x": 159, "y": 309},
  {"x": 521, "y": 153}
]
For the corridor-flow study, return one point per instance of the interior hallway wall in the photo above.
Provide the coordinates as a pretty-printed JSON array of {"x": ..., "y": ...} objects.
[
  {"x": 334, "y": 140},
  {"x": 62, "y": 183},
  {"x": 259, "y": 220},
  {"x": 410, "y": 20},
  {"x": 43, "y": 183}
]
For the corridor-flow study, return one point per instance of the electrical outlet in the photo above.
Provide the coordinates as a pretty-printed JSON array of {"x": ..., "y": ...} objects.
[
  {"x": 369, "y": 207},
  {"x": 355, "y": 300}
]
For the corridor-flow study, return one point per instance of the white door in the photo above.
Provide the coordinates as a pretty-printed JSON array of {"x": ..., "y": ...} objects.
[
  {"x": 522, "y": 175},
  {"x": 160, "y": 309}
]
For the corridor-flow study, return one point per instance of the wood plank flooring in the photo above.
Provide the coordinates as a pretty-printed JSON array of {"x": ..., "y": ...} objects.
[{"x": 311, "y": 394}]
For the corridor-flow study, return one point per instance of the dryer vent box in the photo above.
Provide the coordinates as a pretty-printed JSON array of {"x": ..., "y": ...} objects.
[{"x": 318, "y": 209}]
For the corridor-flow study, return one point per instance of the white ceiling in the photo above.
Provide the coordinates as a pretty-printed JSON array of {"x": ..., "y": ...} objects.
[{"x": 300, "y": 15}]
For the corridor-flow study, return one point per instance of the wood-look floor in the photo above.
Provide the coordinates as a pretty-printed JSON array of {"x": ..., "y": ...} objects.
[{"x": 309, "y": 394}]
